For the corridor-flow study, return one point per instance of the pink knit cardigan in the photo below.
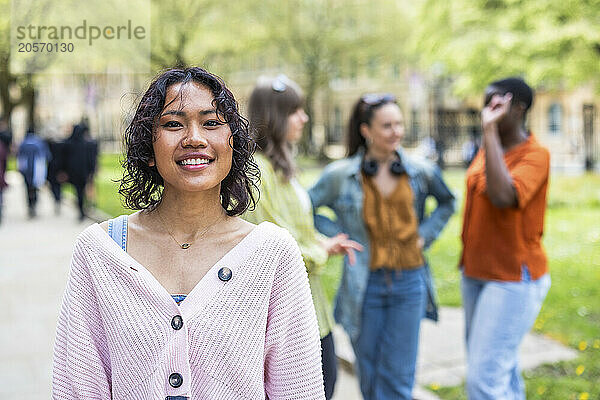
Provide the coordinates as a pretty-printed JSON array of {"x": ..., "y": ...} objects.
[{"x": 252, "y": 337}]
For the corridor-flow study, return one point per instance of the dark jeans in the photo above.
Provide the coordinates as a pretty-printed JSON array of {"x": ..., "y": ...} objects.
[
  {"x": 329, "y": 365},
  {"x": 80, "y": 189},
  {"x": 56, "y": 188},
  {"x": 32, "y": 199}
]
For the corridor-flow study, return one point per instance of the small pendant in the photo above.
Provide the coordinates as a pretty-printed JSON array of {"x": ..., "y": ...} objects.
[{"x": 185, "y": 245}]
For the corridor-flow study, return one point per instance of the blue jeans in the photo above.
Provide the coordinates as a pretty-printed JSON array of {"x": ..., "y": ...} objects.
[
  {"x": 386, "y": 349},
  {"x": 497, "y": 317}
]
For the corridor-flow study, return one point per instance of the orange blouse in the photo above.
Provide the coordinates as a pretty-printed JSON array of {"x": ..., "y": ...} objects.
[
  {"x": 392, "y": 225},
  {"x": 498, "y": 241}
]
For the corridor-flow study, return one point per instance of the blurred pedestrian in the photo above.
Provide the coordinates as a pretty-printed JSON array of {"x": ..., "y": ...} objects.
[
  {"x": 32, "y": 158},
  {"x": 378, "y": 194},
  {"x": 504, "y": 267},
  {"x": 57, "y": 170},
  {"x": 5, "y": 133},
  {"x": 81, "y": 163},
  {"x": 183, "y": 299},
  {"x": 277, "y": 118}
]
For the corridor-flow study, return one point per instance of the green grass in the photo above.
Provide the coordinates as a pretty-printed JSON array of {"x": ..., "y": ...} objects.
[
  {"x": 11, "y": 163},
  {"x": 571, "y": 312},
  {"x": 107, "y": 195}
]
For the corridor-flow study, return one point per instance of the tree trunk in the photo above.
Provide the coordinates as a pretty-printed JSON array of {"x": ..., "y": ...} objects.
[
  {"x": 28, "y": 97},
  {"x": 5, "y": 79},
  {"x": 306, "y": 143}
]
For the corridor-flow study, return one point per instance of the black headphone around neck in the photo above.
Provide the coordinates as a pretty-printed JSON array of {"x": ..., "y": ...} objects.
[{"x": 370, "y": 167}]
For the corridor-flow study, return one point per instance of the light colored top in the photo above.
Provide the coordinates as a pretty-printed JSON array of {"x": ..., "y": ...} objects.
[
  {"x": 497, "y": 242},
  {"x": 392, "y": 225},
  {"x": 254, "y": 336},
  {"x": 287, "y": 204}
]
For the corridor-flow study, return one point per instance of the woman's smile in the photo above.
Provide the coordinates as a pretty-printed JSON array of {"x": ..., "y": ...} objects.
[{"x": 194, "y": 162}]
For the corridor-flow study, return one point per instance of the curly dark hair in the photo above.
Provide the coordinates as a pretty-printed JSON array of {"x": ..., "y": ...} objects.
[{"x": 142, "y": 186}]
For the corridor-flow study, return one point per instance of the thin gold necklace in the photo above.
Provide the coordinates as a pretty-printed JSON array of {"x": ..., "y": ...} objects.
[{"x": 186, "y": 245}]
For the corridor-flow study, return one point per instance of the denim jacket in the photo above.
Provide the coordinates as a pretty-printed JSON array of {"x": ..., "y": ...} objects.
[{"x": 340, "y": 188}]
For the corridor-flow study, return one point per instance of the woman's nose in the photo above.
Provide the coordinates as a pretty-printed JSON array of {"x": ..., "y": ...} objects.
[
  {"x": 194, "y": 137},
  {"x": 304, "y": 116},
  {"x": 399, "y": 130}
]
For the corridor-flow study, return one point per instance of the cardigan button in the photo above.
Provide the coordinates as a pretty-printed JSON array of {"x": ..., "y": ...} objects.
[
  {"x": 175, "y": 380},
  {"x": 177, "y": 322},
  {"x": 225, "y": 274}
]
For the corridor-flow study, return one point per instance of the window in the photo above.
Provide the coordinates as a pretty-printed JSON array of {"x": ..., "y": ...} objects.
[{"x": 555, "y": 119}]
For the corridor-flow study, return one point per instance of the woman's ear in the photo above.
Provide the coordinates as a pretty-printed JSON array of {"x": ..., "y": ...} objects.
[
  {"x": 521, "y": 108},
  {"x": 365, "y": 131},
  {"x": 151, "y": 162}
]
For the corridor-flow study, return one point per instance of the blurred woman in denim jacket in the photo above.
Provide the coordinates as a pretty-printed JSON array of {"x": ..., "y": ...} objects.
[{"x": 378, "y": 194}]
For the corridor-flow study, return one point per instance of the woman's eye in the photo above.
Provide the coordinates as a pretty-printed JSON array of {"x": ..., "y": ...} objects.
[
  {"x": 213, "y": 123},
  {"x": 172, "y": 124}
]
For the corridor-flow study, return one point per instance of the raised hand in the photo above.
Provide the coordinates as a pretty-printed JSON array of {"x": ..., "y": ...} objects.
[{"x": 496, "y": 109}]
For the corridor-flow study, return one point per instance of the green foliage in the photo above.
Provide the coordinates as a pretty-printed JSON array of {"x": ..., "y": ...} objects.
[
  {"x": 204, "y": 33},
  {"x": 549, "y": 42},
  {"x": 11, "y": 164},
  {"x": 318, "y": 42}
]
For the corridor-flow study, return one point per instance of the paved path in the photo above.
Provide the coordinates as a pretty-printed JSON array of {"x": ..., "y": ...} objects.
[
  {"x": 34, "y": 260},
  {"x": 441, "y": 359}
]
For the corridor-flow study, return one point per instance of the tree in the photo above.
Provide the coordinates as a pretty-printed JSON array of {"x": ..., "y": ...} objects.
[
  {"x": 11, "y": 83},
  {"x": 197, "y": 32},
  {"x": 549, "y": 42},
  {"x": 6, "y": 78},
  {"x": 321, "y": 40}
]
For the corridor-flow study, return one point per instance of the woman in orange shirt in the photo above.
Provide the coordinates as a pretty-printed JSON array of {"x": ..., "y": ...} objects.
[{"x": 505, "y": 271}]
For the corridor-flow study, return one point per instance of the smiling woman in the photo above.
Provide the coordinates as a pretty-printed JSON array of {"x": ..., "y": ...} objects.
[
  {"x": 207, "y": 304},
  {"x": 161, "y": 109}
]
